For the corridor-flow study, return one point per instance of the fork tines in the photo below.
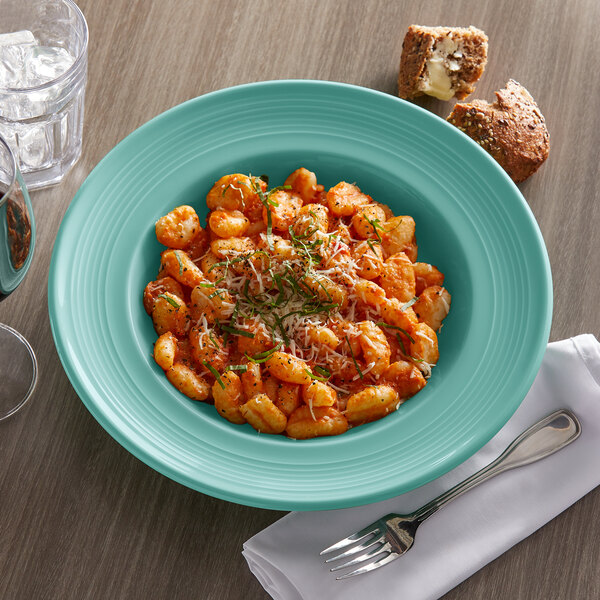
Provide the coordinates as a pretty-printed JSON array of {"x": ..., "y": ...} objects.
[{"x": 372, "y": 543}]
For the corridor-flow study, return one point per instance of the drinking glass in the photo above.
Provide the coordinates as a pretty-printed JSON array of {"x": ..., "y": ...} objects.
[
  {"x": 18, "y": 365},
  {"x": 43, "y": 72}
]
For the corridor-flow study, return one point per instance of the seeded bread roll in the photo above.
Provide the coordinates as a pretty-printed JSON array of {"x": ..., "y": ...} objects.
[
  {"x": 441, "y": 61},
  {"x": 512, "y": 129}
]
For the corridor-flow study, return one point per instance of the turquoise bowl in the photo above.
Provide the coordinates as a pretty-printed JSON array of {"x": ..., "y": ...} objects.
[{"x": 472, "y": 222}]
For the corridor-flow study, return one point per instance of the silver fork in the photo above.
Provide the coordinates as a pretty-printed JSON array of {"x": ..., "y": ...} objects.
[{"x": 391, "y": 536}]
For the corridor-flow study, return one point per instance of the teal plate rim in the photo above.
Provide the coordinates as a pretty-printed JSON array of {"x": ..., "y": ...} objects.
[{"x": 471, "y": 219}]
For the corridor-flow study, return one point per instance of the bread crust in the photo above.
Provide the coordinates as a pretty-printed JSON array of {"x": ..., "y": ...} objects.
[
  {"x": 418, "y": 46},
  {"x": 512, "y": 129}
]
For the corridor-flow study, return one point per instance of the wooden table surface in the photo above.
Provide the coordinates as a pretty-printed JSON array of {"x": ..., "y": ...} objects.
[{"x": 80, "y": 517}]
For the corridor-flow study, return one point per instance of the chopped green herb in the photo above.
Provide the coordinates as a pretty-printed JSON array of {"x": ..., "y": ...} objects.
[
  {"x": 267, "y": 203},
  {"x": 270, "y": 228},
  {"x": 276, "y": 189},
  {"x": 235, "y": 331},
  {"x": 230, "y": 261},
  {"x": 279, "y": 322},
  {"x": 241, "y": 368},
  {"x": 372, "y": 245},
  {"x": 308, "y": 249},
  {"x": 179, "y": 261},
  {"x": 315, "y": 377},
  {"x": 212, "y": 339},
  {"x": 234, "y": 314},
  {"x": 360, "y": 373},
  {"x": 403, "y": 348},
  {"x": 375, "y": 225},
  {"x": 172, "y": 302},
  {"x": 383, "y": 324},
  {"x": 263, "y": 356},
  {"x": 323, "y": 371},
  {"x": 295, "y": 284},
  {"x": 214, "y": 372},
  {"x": 281, "y": 297},
  {"x": 325, "y": 290},
  {"x": 219, "y": 292}
]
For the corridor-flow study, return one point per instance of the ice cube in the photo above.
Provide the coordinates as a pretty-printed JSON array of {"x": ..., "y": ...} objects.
[
  {"x": 14, "y": 52},
  {"x": 25, "y": 64},
  {"x": 17, "y": 38},
  {"x": 47, "y": 63},
  {"x": 35, "y": 147}
]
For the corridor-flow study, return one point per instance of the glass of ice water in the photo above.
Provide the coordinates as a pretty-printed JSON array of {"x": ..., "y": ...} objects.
[
  {"x": 18, "y": 365},
  {"x": 43, "y": 72}
]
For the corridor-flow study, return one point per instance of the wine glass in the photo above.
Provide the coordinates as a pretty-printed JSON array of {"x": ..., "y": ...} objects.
[{"x": 18, "y": 365}]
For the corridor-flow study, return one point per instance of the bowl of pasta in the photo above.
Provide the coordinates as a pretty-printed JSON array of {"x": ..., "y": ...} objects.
[{"x": 300, "y": 295}]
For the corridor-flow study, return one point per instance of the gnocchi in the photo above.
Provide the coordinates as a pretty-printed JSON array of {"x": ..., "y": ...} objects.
[{"x": 297, "y": 310}]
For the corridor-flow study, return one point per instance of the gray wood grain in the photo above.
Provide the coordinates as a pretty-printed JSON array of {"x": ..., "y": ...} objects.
[{"x": 81, "y": 518}]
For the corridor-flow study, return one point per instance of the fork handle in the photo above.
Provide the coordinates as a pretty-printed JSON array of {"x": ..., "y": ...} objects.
[{"x": 542, "y": 439}]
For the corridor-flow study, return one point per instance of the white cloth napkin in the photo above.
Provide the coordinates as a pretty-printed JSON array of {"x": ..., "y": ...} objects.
[{"x": 471, "y": 531}]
